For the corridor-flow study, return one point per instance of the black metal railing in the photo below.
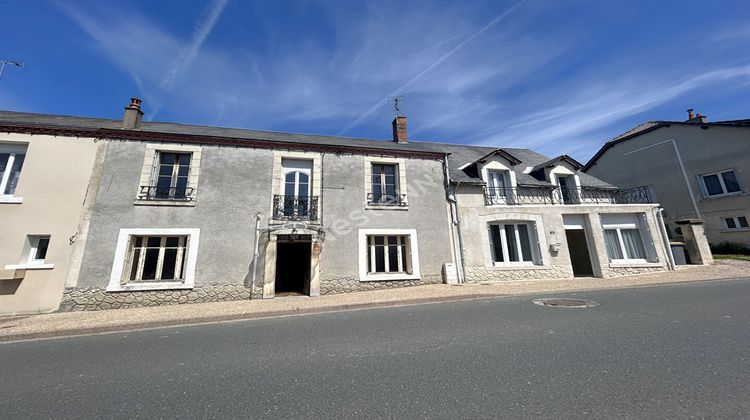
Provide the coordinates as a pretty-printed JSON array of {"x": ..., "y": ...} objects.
[
  {"x": 395, "y": 200},
  {"x": 152, "y": 192},
  {"x": 294, "y": 207},
  {"x": 565, "y": 195}
]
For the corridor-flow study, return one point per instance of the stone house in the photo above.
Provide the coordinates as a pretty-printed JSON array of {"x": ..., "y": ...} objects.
[
  {"x": 697, "y": 170},
  {"x": 175, "y": 213}
]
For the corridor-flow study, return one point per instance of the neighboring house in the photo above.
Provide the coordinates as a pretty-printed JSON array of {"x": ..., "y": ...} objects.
[
  {"x": 525, "y": 216},
  {"x": 697, "y": 170},
  {"x": 184, "y": 213},
  {"x": 44, "y": 189}
]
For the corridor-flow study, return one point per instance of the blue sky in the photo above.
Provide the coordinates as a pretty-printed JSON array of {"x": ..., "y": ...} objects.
[{"x": 555, "y": 76}]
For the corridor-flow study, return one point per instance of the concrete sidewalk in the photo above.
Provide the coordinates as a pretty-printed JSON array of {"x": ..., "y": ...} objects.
[{"x": 77, "y": 323}]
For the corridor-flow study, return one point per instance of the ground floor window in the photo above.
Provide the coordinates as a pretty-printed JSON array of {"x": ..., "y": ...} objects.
[
  {"x": 388, "y": 254},
  {"x": 624, "y": 237},
  {"x": 736, "y": 223},
  {"x": 154, "y": 259},
  {"x": 157, "y": 258},
  {"x": 513, "y": 243}
]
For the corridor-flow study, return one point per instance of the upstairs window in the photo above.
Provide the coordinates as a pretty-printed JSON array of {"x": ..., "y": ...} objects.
[
  {"x": 736, "y": 223},
  {"x": 172, "y": 176},
  {"x": 11, "y": 162},
  {"x": 499, "y": 190},
  {"x": 513, "y": 244},
  {"x": 385, "y": 188},
  {"x": 720, "y": 183}
]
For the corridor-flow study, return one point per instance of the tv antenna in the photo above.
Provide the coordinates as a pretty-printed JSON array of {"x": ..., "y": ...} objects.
[
  {"x": 397, "y": 102},
  {"x": 14, "y": 63}
]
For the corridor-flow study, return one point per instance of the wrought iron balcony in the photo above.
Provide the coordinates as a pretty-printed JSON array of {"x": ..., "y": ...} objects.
[
  {"x": 294, "y": 207},
  {"x": 152, "y": 192},
  {"x": 565, "y": 195},
  {"x": 397, "y": 200}
]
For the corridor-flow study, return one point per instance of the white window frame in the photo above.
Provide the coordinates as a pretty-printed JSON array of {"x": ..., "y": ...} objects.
[
  {"x": 123, "y": 248},
  {"x": 412, "y": 251},
  {"x": 507, "y": 195},
  {"x": 12, "y": 149},
  {"x": 618, "y": 227},
  {"x": 28, "y": 260},
  {"x": 533, "y": 243},
  {"x": 704, "y": 187},
  {"x": 736, "y": 220},
  {"x": 401, "y": 181}
]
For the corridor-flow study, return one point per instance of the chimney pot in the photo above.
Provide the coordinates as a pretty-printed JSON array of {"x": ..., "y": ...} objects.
[
  {"x": 399, "y": 129},
  {"x": 133, "y": 115},
  {"x": 690, "y": 114}
]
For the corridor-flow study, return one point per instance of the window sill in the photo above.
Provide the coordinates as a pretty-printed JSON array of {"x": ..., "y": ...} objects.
[
  {"x": 149, "y": 286},
  {"x": 29, "y": 266},
  {"x": 727, "y": 195},
  {"x": 508, "y": 267},
  {"x": 165, "y": 203},
  {"x": 634, "y": 264},
  {"x": 390, "y": 277},
  {"x": 9, "y": 199},
  {"x": 735, "y": 230},
  {"x": 385, "y": 207}
]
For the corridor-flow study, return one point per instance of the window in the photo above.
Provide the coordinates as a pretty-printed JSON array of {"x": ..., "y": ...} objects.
[
  {"x": 388, "y": 254},
  {"x": 34, "y": 254},
  {"x": 154, "y": 259},
  {"x": 568, "y": 189},
  {"x": 736, "y": 223},
  {"x": 623, "y": 238},
  {"x": 157, "y": 258},
  {"x": 498, "y": 187},
  {"x": 171, "y": 181},
  {"x": 385, "y": 186},
  {"x": 720, "y": 183},
  {"x": 11, "y": 162},
  {"x": 38, "y": 251},
  {"x": 511, "y": 243}
]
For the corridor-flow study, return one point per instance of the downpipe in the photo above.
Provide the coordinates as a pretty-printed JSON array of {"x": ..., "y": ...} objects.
[
  {"x": 255, "y": 254},
  {"x": 458, "y": 255}
]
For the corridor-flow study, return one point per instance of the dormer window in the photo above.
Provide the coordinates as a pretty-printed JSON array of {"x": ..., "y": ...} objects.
[{"x": 498, "y": 186}]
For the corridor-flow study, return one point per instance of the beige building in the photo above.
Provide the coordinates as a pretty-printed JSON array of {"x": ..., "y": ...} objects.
[
  {"x": 44, "y": 182},
  {"x": 695, "y": 169}
]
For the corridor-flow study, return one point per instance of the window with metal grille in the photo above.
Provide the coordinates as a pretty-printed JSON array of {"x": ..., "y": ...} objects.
[{"x": 172, "y": 176}]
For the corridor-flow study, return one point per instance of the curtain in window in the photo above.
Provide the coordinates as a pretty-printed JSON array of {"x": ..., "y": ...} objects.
[
  {"x": 510, "y": 236},
  {"x": 613, "y": 244},
  {"x": 633, "y": 244},
  {"x": 496, "y": 243},
  {"x": 523, "y": 235}
]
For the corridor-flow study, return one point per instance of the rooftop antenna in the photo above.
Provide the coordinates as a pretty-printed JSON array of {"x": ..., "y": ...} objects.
[
  {"x": 4, "y": 62},
  {"x": 397, "y": 102}
]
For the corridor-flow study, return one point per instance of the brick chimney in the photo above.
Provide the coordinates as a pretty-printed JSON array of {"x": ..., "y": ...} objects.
[
  {"x": 399, "y": 129},
  {"x": 695, "y": 118},
  {"x": 133, "y": 114}
]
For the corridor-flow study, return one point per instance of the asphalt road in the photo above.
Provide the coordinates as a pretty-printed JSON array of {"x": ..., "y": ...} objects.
[{"x": 656, "y": 352}]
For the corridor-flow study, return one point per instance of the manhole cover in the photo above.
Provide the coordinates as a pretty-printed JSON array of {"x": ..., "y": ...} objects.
[{"x": 565, "y": 303}]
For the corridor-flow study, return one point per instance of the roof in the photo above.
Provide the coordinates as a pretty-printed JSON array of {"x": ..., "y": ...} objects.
[
  {"x": 555, "y": 161},
  {"x": 462, "y": 159},
  {"x": 654, "y": 125}
]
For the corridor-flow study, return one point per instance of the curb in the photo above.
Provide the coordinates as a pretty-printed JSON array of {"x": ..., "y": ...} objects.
[{"x": 318, "y": 310}]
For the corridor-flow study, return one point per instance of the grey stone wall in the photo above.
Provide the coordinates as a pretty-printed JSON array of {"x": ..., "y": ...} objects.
[
  {"x": 630, "y": 271},
  {"x": 95, "y": 298},
  {"x": 352, "y": 284},
  {"x": 480, "y": 274}
]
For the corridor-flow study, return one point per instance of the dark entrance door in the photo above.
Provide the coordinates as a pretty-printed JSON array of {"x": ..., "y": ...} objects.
[
  {"x": 292, "y": 267},
  {"x": 579, "y": 253}
]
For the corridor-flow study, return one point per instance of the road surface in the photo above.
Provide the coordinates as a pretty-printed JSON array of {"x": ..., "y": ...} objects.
[{"x": 664, "y": 351}]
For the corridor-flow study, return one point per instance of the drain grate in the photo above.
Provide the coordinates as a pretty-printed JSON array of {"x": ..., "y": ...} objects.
[{"x": 565, "y": 303}]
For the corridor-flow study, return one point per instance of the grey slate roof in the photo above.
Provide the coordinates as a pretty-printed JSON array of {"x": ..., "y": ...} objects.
[{"x": 459, "y": 155}]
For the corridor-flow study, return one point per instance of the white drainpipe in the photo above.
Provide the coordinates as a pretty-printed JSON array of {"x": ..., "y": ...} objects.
[{"x": 255, "y": 253}]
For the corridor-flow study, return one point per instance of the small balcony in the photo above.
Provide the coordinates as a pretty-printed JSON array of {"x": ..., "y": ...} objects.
[
  {"x": 565, "y": 195},
  {"x": 153, "y": 193},
  {"x": 386, "y": 200},
  {"x": 296, "y": 208}
]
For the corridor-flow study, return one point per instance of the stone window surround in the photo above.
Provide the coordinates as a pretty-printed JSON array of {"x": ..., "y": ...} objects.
[
  {"x": 563, "y": 170},
  {"x": 362, "y": 235},
  {"x": 149, "y": 163},
  {"x": 496, "y": 164},
  {"x": 536, "y": 222},
  {"x": 401, "y": 164},
  {"x": 118, "y": 265},
  {"x": 12, "y": 147},
  {"x": 277, "y": 186}
]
